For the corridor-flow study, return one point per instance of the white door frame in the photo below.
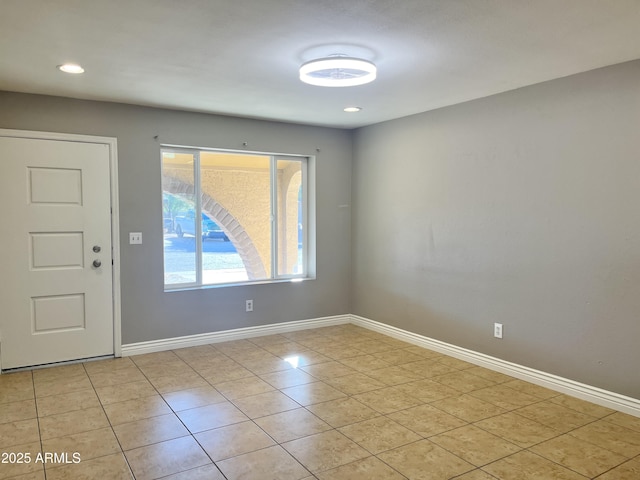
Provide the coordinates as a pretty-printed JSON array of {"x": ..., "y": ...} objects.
[{"x": 115, "y": 213}]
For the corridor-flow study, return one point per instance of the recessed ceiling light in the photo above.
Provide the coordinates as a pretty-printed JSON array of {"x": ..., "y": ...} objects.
[
  {"x": 352, "y": 109},
  {"x": 338, "y": 71},
  {"x": 70, "y": 68}
]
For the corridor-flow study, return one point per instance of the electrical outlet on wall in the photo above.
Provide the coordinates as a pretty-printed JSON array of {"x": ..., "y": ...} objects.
[
  {"x": 249, "y": 305},
  {"x": 497, "y": 330}
]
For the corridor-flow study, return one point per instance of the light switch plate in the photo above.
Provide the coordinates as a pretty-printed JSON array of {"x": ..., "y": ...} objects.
[{"x": 135, "y": 238}]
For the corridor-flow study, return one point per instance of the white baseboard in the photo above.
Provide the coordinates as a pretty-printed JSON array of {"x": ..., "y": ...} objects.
[
  {"x": 564, "y": 385},
  {"x": 228, "y": 335}
]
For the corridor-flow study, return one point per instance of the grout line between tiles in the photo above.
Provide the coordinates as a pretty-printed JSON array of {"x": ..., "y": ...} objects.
[
  {"x": 110, "y": 426},
  {"x": 35, "y": 401}
]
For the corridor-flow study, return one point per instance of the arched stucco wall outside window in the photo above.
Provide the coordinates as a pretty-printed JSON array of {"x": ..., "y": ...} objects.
[
  {"x": 174, "y": 185},
  {"x": 289, "y": 215}
]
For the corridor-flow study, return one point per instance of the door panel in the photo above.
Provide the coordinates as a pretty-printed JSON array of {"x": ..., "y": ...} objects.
[
  {"x": 58, "y": 313},
  {"x": 57, "y": 250},
  {"x": 58, "y": 303},
  {"x": 55, "y": 185}
]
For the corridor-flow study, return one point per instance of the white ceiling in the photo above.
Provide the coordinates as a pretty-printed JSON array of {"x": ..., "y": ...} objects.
[{"x": 241, "y": 57}]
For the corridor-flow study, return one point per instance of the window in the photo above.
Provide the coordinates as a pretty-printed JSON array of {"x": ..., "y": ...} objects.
[{"x": 233, "y": 217}]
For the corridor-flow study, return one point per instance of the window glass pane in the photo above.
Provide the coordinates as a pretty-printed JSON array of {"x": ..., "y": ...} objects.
[
  {"x": 178, "y": 209},
  {"x": 290, "y": 217},
  {"x": 236, "y": 208}
]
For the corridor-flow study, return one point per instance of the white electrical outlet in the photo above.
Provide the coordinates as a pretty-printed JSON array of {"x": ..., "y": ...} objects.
[
  {"x": 497, "y": 330},
  {"x": 249, "y": 305},
  {"x": 135, "y": 238}
]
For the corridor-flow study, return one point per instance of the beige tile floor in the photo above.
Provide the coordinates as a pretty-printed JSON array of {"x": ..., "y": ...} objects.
[{"x": 348, "y": 404}]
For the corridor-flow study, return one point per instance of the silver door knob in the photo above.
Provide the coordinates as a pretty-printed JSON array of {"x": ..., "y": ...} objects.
[
  {"x": 96, "y": 249},
  {"x": 97, "y": 263}
]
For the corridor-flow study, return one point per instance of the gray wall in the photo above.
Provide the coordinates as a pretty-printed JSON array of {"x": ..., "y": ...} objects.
[
  {"x": 522, "y": 208},
  {"x": 147, "y": 312}
]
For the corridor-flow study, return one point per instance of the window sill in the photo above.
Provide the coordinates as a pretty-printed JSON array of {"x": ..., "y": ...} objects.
[{"x": 240, "y": 284}]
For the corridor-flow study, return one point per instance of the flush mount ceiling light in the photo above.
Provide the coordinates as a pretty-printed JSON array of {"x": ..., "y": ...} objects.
[
  {"x": 338, "y": 71},
  {"x": 70, "y": 68},
  {"x": 352, "y": 109}
]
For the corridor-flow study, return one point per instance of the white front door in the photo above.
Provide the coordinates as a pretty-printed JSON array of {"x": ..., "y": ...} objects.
[{"x": 56, "y": 298}]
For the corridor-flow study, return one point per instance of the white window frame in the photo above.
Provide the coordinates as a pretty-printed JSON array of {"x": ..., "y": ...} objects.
[{"x": 308, "y": 217}]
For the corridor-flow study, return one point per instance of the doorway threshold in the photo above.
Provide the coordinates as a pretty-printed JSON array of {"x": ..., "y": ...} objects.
[{"x": 56, "y": 364}]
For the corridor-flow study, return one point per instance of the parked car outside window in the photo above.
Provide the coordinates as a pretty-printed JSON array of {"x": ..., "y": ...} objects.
[{"x": 185, "y": 224}]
